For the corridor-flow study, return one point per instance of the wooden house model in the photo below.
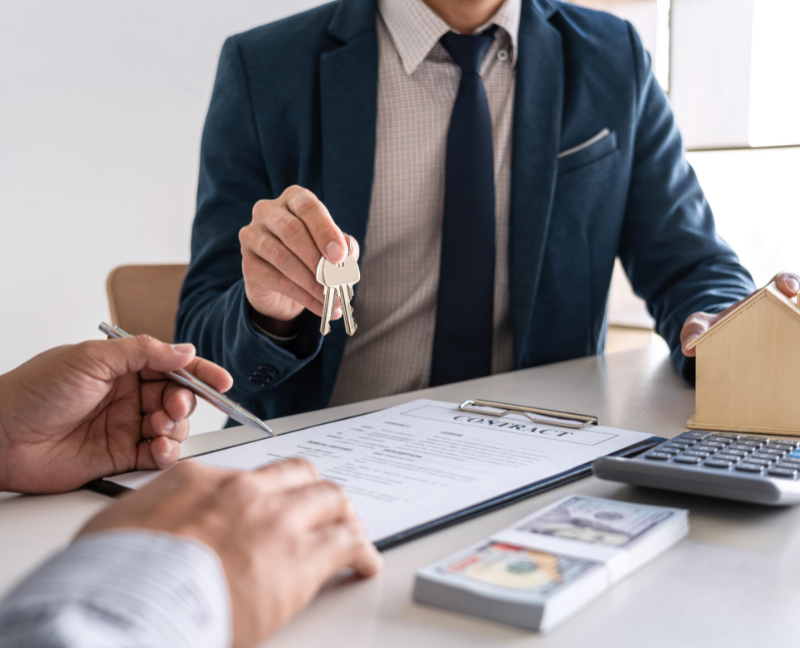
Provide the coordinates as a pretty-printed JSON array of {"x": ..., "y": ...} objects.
[{"x": 748, "y": 368}]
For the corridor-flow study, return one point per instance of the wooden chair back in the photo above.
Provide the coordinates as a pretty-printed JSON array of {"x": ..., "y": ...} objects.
[{"x": 144, "y": 298}]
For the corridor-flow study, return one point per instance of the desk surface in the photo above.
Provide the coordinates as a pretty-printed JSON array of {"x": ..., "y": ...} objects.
[{"x": 734, "y": 582}]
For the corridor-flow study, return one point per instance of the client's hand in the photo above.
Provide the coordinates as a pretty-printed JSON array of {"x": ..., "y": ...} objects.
[
  {"x": 77, "y": 413},
  {"x": 279, "y": 531},
  {"x": 281, "y": 248},
  {"x": 698, "y": 323}
]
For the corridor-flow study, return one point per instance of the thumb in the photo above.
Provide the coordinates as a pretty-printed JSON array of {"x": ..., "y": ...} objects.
[{"x": 115, "y": 358}]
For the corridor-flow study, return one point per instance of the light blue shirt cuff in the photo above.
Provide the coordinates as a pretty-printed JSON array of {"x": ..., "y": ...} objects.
[{"x": 128, "y": 588}]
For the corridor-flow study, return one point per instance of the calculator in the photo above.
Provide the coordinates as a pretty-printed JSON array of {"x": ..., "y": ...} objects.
[{"x": 754, "y": 469}]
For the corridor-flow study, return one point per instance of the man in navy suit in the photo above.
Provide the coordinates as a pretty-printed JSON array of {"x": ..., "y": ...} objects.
[{"x": 492, "y": 156}]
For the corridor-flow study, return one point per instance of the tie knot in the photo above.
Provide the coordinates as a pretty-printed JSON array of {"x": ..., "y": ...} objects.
[{"x": 468, "y": 50}]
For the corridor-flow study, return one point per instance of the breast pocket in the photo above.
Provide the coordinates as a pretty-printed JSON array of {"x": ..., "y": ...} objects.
[{"x": 595, "y": 148}]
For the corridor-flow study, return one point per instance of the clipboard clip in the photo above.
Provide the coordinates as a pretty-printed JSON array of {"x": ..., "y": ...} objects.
[{"x": 578, "y": 421}]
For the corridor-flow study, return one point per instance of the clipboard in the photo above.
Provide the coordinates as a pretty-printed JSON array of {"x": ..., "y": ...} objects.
[{"x": 494, "y": 409}]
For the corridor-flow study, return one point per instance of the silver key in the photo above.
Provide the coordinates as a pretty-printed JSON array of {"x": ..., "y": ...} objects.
[
  {"x": 338, "y": 279},
  {"x": 330, "y": 298}
]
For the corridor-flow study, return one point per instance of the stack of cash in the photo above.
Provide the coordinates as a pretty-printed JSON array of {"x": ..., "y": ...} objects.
[{"x": 550, "y": 564}]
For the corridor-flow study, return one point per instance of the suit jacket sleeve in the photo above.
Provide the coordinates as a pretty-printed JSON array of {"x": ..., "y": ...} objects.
[
  {"x": 214, "y": 313},
  {"x": 669, "y": 246}
]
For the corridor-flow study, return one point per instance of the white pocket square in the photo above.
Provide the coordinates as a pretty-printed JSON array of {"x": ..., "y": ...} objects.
[{"x": 589, "y": 142}]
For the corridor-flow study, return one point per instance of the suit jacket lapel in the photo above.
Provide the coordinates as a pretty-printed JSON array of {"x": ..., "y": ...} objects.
[
  {"x": 537, "y": 127},
  {"x": 349, "y": 104},
  {"x": 349, "y": 99}
]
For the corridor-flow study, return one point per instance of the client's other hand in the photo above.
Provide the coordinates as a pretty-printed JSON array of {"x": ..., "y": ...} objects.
[
  {"x": 77, "y": 413},
  {"x": 698, "y": 323},
  {"x": 279, "y": 531}
]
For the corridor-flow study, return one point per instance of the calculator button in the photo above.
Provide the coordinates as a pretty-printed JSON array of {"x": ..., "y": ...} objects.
[
  {"x": 683, "y": 443},
  {"x": 658, "y": 456},
  {"x": 688, "y": 460},
  {"x": 717, "y": 463},
  {"x": 693, "y": 453},
  {"x": 727, "y": 457},
  {"x": 736, "y": 453},
  {"x": 748, "y": 467},
  {"x": 789, "y": 466},
  {"x": 713, "y": 444},
  {"x": 783, "y": 472},
  {"x": 697, "y": 436},
  {"x": 668, "y": 449},
  {"x": 790, "y": 460},
  {"x": 755, "y": 438},
  {"x": 749, "y": 444},
  {"x": 732, "y": 437},
  {"x": 795, "y": 454},
  {"x": 760, "y": 454},
  {"x": 671, "y": 447},
  {"x": 705, "y": 448},
  {"x": 718, "y": 439},
  {"x": 741, "y": 448},
  {"x": 784, "y": 448},
  {"x": 758, "y": 462}
]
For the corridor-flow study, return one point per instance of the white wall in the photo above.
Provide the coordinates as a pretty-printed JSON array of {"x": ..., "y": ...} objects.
[
  {"x": 710, "y": 71},
  {"x": 101, "y": 109},
  {"x": 642, "y": 14}
]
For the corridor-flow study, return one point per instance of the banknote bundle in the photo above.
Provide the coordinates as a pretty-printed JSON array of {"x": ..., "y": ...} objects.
[{"x": 547, "y": 566}]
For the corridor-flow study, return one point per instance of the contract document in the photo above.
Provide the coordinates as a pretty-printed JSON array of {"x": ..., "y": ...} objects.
[{"x": 419, "y": 466}]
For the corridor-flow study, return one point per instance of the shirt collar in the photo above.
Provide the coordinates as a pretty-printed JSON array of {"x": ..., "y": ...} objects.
[{"x": 415, "y": 28}]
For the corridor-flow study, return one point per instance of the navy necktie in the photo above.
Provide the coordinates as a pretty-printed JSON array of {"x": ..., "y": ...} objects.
[{"x": 462, "y": 341}]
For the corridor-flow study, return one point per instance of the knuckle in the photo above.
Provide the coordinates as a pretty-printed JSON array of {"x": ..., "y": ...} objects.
[
  {"x": 292, "y": 191},
  {"x": 335, "y": 491},
  {"x": 301, "y": 465},
  {"x": 696, "y": 319},
  {"x": 239, "y": 485},
  {"x": 247, "y": 266},
  {"x": 245, "y": 235},
  {"x": 278, "y": 255},
  {"x": 306, "y": 203},
  {"x": 261, "y": 208},
  {"x": 293, "y": 229},
  {"x": 284, "y": 284},
  {"x": 188, "y": 472},
  {"x": 147, "y": 342}
]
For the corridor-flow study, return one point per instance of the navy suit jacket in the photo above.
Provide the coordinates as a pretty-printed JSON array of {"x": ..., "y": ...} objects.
[{"x": 295, "y": 103}]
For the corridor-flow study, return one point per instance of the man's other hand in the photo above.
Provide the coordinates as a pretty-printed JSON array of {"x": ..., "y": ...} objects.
[
  {"x": 698, "y": 323},
  {"x": 81, "y": 412},
  {"x": 279, "y": 531},
  {"x": 281, "y": 248}
]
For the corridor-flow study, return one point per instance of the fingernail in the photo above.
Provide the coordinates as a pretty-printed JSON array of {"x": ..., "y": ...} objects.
[
  {"x": 337, "y": 312},
  {"x": 169, "y": 426},
  {"x": 793, "y": 284},
  {"x": 689, "y": 339},
  {"x": 185, "y": 347},
  {"x": 335, "y": 252}
]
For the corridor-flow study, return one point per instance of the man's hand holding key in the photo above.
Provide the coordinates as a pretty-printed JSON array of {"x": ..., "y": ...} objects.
[{"x": 281, "y": 250}]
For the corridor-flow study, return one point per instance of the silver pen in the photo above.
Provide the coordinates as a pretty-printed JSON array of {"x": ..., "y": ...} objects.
[{"x": 206, "y": 392}]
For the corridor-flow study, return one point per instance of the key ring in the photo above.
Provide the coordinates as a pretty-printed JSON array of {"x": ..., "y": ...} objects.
[{"x": 349, "y": 245}]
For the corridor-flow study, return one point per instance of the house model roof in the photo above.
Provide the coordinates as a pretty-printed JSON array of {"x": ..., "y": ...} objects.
[{"x": 771, "y": 291}]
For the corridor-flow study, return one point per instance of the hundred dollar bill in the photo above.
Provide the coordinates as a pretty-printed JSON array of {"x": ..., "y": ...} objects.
[
  {"x": 596, "y": 521},
  {"x": 508, "y": 566}
]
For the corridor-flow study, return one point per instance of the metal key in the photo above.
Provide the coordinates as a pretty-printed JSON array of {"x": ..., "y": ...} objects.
[
  {"x": 338, "y": 279},
  {"x": 330, "y": 298}
]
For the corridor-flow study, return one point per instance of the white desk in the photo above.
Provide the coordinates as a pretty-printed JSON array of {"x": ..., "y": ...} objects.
[{"x": 734, "y": 582}]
